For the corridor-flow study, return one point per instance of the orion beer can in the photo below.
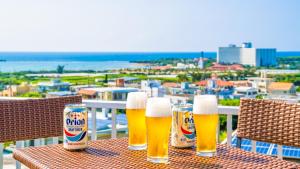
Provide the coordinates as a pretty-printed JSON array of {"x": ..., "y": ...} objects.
[
  {"x": 75, "y": 127},
  {"x": 183, "y": 129}
]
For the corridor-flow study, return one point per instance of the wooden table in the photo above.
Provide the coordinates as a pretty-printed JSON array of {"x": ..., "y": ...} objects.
[{"x": 113, "y": 153}]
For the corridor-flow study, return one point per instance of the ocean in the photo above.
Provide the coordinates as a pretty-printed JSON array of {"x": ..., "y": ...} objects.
[
  {"x": 47, "y": 61},
  {"x": 37, "y": 61}
]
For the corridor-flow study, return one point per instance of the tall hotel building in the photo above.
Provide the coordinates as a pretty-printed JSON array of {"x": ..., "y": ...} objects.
[{"x": 247, "y": 55}]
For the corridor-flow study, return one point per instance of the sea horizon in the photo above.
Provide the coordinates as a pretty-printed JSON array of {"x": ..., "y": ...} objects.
[{"x": 97, "y": 61}]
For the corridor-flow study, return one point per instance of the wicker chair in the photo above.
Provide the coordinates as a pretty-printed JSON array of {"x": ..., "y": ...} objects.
[
  {"x": 269, "y": 121},
  {"x": 33, "y": 118}
]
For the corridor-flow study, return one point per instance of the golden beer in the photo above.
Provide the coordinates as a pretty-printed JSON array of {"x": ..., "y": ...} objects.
[
  {"x": 158, "y": 120},
  {"x": 206, "y": 118},
  {"x": 158, "y": 129},
  {"x": 137, "y": 127},
  {"x": 206, "y": 128},
  {"x": 135, "y": 113}
]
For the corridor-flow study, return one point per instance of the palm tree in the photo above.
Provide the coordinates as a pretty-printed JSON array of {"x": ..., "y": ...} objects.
[
  {"x": 106, "y": 78},
  {"x": 60, "y": 69}
]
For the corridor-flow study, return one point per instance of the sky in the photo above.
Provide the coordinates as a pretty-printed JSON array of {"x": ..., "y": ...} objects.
[{"x": 147, "y": 25}]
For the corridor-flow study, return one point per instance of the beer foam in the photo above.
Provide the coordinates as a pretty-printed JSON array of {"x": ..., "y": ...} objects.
[
  {"x": 158, "y": 107},
  {"x": 205, "y": 104},
  {"x": 136, "y": 100}
]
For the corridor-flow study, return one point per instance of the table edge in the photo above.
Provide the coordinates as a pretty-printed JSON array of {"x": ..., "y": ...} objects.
[{"x": 26, "y": 160}]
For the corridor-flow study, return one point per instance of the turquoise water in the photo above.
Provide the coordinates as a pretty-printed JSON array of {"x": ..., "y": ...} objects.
[
  {"x": 15, "y": 66},
  {"x": 94, "y": 56},
  {"x": 36, "y": 61}
]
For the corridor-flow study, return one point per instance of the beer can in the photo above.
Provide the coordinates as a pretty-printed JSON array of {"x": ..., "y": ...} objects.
[
  {"x": 75, "y": 127},
  {"x": 183, "y": 129}
]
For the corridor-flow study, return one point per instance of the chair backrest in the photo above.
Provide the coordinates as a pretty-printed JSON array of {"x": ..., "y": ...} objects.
[
  {"x": 33, "y": 118},
  {"x": 269, "y": 121}
]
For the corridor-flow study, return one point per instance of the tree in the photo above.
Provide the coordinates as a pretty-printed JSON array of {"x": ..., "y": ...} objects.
[
  {"x": 222, "y": 118},
  {"x": 200, "y": 76},
  {"x": 106, "y": 78},
  {"x": 298, "y": 89},
  {"x": 60, "y": 69},
  {"x": 259, "y": 96},
  {"x": 182, "y": 77}
]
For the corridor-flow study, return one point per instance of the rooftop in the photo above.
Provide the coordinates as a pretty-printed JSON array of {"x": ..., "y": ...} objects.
[
  {"x": 161, "y": 67},
  {"x": 220, "y": 83},
  {"x": 112, "y": 89},
  {"x": 244, "y": 89},
  {"x": 87, "y": 92},
  {"x": 62, "y": 93},
  {"x": 219, "y": 67},
  {"x": 280, "y": 86},
  {"x": 126, "y": 79},
  {"x": 171, "y": 84}
]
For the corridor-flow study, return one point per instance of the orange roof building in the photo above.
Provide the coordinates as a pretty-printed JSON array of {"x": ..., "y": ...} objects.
[
  {"x": 87, "y": 94},
  {"x": 241, "y": 83},
  {"x": 220, "y": 83},
  {"x": 281, "y": 88},
  {"x": 171, "y": 84},
  {"x": 161, "y": 67},
  {"x": 219, "y": 67}
]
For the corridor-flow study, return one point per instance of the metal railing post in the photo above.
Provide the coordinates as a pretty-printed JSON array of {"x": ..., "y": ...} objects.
[
  {"x": 279, "y": 152},
  {"x": 253, "y": 146},
  {"x": 43, "y": 141},
  {"x": 94, "y": 125},
  {"x": 1, "y": 155},
  {"x": 19, "y": 144},
  {"x": 55, "y": 140},
  {"x": 114, "y": 123},
  {"x": 229, "y": 129},
  {"x": 26, "y": 143},
  {"x": 37, "y": 142}
]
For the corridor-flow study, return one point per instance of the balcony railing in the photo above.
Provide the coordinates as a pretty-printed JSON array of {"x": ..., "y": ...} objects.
[{"x": 93, "y": 105}]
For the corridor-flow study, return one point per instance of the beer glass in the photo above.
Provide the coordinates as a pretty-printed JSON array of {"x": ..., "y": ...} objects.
[
  {"x": 205, "y": 113},
  {"x": 135, "y": 112},
  {"x": 158, "y": 119}
]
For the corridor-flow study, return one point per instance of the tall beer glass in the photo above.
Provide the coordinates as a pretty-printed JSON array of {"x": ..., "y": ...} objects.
[
  {"x": 135, "y": 112},
  {"x": 206, "y": 118},
  {"x": 159, "y": 120}
]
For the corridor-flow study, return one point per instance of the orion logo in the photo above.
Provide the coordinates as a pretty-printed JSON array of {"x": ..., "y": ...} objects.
[
  {"x": 76, "y": 122},
  {"x": 75, "y": 119}
]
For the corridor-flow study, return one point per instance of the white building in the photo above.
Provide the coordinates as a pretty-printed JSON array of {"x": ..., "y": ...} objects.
[
  {"x": 184, "y": 66},
  {"x": 107, "y": 93},
  {"x": 245, "y": 92},
  {"x": 277, "y": 71},
  {"x": 201, "y": 63},
  {"x": 261, "y": 83},
  {"x": 246, "y": 55},
  {"x": 153, "y": 88}
]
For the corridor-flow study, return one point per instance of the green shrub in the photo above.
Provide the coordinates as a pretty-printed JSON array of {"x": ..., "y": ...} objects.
[
  {"x": 32, "y": 94},
  {"x": 229, "y": 102}
]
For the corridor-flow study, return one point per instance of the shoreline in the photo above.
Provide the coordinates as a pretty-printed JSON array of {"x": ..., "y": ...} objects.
[{"x": 69, "y": 74}]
